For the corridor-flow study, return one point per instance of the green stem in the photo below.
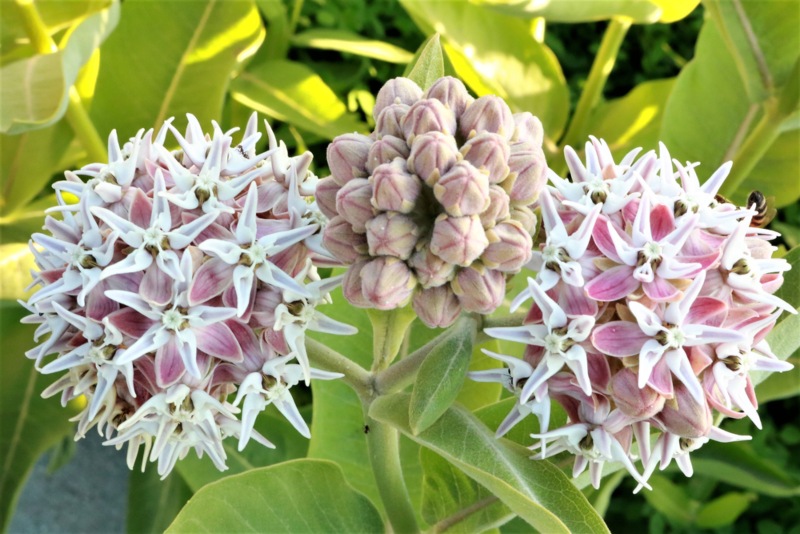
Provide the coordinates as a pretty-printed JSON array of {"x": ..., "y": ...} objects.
[
  {"x": 389, "y": 328},
  {"x": 296, "y": 10},
  {"x": 384, "y": 454},
  {"x": 328, "y": 359},
  {"x": 593, "y": 90},
  {"x": 76, "y": 114}
]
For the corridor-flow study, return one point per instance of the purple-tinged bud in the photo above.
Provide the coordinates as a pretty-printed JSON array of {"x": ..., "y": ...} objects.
[
  {"x": 528, "y": 129},
  {"x": 452, "y": 93},
  {"x": 431, "y": 270},
  {"x": 396, "y": 91},
  {"x": 525, "y": 216},
  {"x": 325, "y": 194},
  {"x": 390, "y": 120},
  {"x": 684, "y": 415},
  {"x": 510, "y": 247},
  {"x": 489, "y": 153},
  {"x": 347, "y": 157},
  {"x": 394, "y": 188},
  {"x": 352, "y": 285},
  {"x": 498, "y": 207},
  {"x": 385, "y": 150},
  {"x": 392, "y": 234},
  {"x": 458, "y": 240},
  {"x": 636, "y": 403},
  {"x": 479, "y": 289},
  {"x": 387, "y": 283},
  {"x": 354, "y": 203},
  {"x": 432, "y": 155},
  {"x": 428, "y": 115},
  {"x": 487, "y": 114},
  {"x": 341, "y": 241},
  {"x": 529, "y": 172},
  {"x": 437, "y": 307},
  {"x": 464, "y": 190}
]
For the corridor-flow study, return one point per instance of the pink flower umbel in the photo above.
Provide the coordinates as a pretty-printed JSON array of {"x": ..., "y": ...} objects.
[
  {"x": 180, "y": 286},
  {"x": 651, "y": 305}
]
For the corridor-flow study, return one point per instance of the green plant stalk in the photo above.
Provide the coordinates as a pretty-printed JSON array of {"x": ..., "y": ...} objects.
[
  {"x": 593, "y": 90},
  {"x": 389, "y": 328},
  {"x": 76, "y": 114},
  {"x": 328, "y": 359},
  {"x": 297, "y": 9}
]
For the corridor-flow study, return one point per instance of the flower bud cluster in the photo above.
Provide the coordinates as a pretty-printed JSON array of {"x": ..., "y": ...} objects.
[
  {"x": 175, "y": 294},
  {"x": 435, "y": 206},
  {"x": 651, "y": 304}
]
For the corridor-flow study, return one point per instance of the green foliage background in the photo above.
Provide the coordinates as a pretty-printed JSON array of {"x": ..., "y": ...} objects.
[{"x": 714, "y": 81}]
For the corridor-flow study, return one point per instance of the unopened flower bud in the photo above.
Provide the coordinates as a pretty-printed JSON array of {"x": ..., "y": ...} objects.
[
  {"x": 431, "y": 270},
  {"x": 528, "y": 129},
  {"x": 464, "y": 190},
  {"x": 487, "y": 114},
  {"x": 341, "y": 241},
  {"x": 396, "y": 91},
  {"x": 489, "y": 153},
  {"x": 636, "y": 403},
  {"x": 428, "y": 115},
  {"x": 387, "y": 283},
  {"x": 510, "y": 247},
  {"x": 394, "y": 188},
  {"x": 390, "y": 120},
  {"x": 498, "y": 207},
  {"x": 437, "y": 307},
  {"x": 479, "y": 289},
  {"x": 458, "y": 240},
  {"x": 354, "y": 203},
  {"x": 352, "y": 285},
  {"x": 527, "y": 163},
  {"x": 432, "y": 155},
  {"x": 385, "y": 150},
  {"x": 684, "y": 415},
  {"x": 392, "y": 234},
  {"x": 450, "y": 92},
  {"x": 525, "y": 216},
  {"x": 325, "y": 194},
  {"x": 347, "y": 157}
]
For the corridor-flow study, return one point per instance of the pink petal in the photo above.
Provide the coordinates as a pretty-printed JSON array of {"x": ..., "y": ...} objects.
[
  {"x": 140, "y": 209},
  {"x": 217, "y": 340},
  {"x": 169, "y": 365},
  {"x": 659, "y": 290},
  {"x": 619, "y": 338},
  {"x": 604, "y": 241},
  {"x": 156, "y": 286},
  {"x": 130, "y": 322},
  {"x": 612, "y": 284},
  {"x": 211, "y": 279},
  {"x": 707, "y": 311},
  {"x": 661, "y": 379},
  {"x": 98, "y": 305},
  {"x": 662, "y": 222},
  {"x": 573, "y": 301}
]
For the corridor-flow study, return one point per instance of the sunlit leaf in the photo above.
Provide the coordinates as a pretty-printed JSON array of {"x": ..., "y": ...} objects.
[
  {"x": 536, "y": 490},
  {"x": 352, "y": 43},
  {"x": 495, "y": 53},
  {"x": 674, "y": 10},
  {"x": 295, "y": 496},
  {"x": 641, "y": 11},
  {"x": 35, "y": 91},
  {"x": 775, "y": 175},
  {"x": 171, "y": 58},
  {"x": 16, "y": 262},
  {"x": 428, "y": 63},
  {"x": 29, "y": 425},
  {"x": 293, "y": 93}
]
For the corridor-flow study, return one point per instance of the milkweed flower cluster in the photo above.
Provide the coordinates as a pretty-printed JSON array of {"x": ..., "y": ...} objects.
[
  {"x": 176, "y": 292},
  {"x": 435, "y": 206},
  {"x": 651, "y": 303}
]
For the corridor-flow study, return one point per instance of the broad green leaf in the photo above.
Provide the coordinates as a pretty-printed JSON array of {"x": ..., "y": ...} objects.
[
  {"x": 602, "y": 497},
  {"x": 428, "y": 64},
  {"x": 641, "y": 11},
  {"x": 352, "y": 43},
  {"x": 276, "y": 45},
  {"x": 535, "y": 490},
  {"x": 296, "y": 496},
  {"x": 35, "y": 91},
  {"x": 169, "y": 58},
  {"x": 153, "y": 503},
  {"x": 291, "y": 92},
  {"x": 16, "y": 262},
  {"x": 493, "y": 414},
  {"x": 441, "y": 376},
  {"x": 495, "y": 53},
  {"x": 776, "y": 173},
  {"x": 674, "y": 10},
  {"x": 633, "y": 120},
  {"x": 289, "y": 445},
  {"x": 671, "y": 500},
  {"x": 724, "y": 510},
  {"x": 780, "y": 385},
  {"x": 29, "y": 425},
  {"x": 452, "y": 500},
  {"x": 740, "y": 465},
  {"x": 18, "y": 226},
  {"x": 475, "y": 395}
]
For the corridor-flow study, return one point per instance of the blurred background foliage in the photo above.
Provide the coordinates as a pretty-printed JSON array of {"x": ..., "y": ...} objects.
[{"x": 716, "y": 80}]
